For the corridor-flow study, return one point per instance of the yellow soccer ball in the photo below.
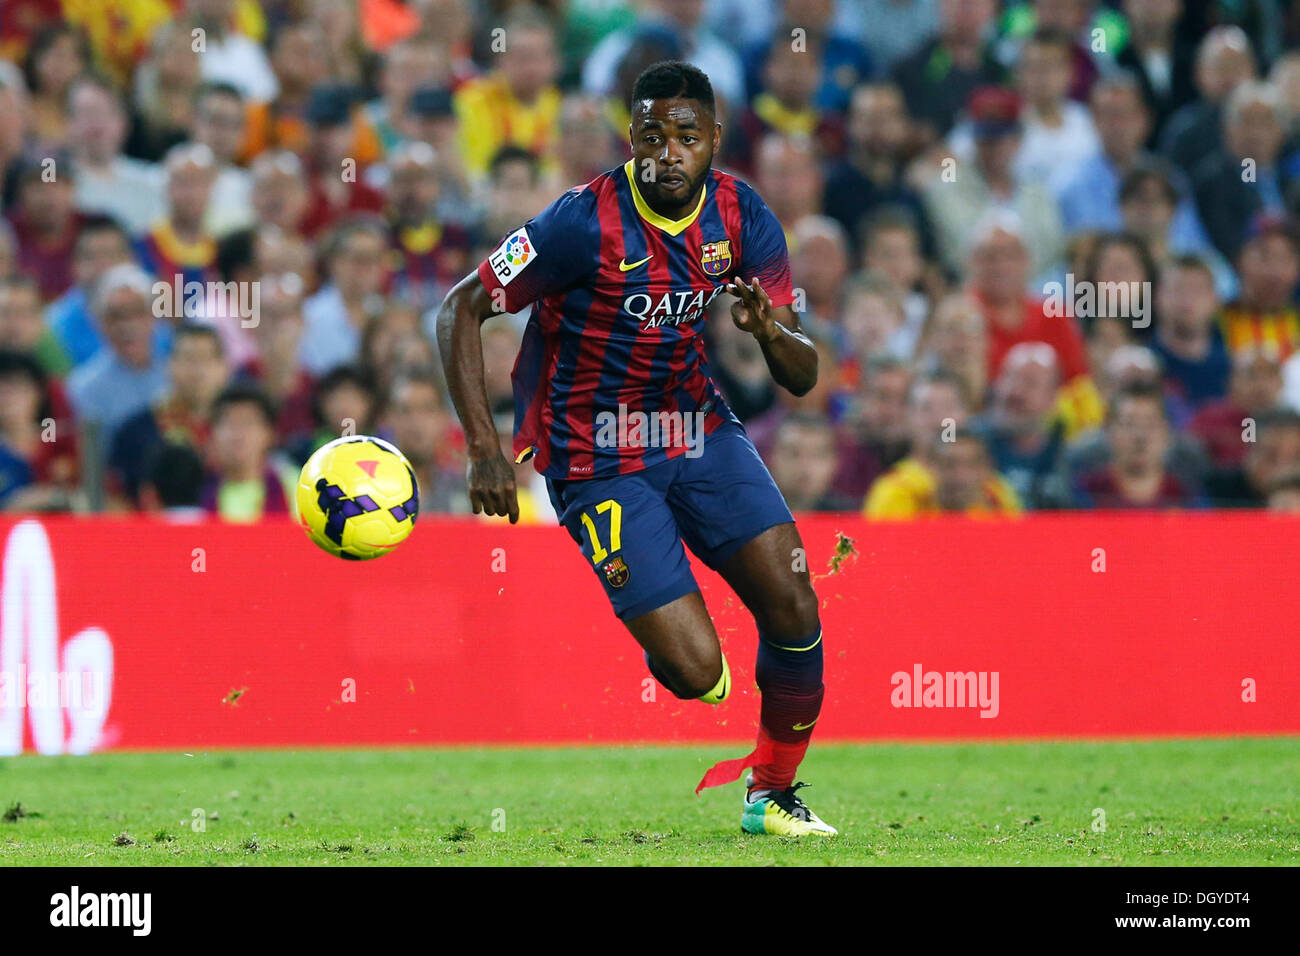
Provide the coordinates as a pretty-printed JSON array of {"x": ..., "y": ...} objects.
[{"x": 357, "y": 497}]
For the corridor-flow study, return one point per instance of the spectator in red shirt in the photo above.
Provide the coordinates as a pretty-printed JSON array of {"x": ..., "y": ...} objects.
[
  {"x": 1226, "y": 426},
  {"x": 1137, "y": 431},
  {"x": 1272, "y": 456},
  {"x": 46, "y": 223},
  {"x": 999, "y": 276},
  {"x": 337, "y": 188}
]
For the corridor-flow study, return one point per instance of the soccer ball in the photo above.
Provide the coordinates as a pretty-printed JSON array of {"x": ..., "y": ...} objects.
[{"x": 357, "y": 497}]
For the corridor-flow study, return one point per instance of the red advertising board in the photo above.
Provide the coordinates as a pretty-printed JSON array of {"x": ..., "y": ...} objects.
[{"x": 131, "y": 633}]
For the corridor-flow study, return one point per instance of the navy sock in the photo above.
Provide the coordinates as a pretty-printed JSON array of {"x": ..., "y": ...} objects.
[{"x": 789, "y": 674}]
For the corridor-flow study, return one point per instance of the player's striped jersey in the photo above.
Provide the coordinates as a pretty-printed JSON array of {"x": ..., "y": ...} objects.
[{"x": 619, "y": 296}]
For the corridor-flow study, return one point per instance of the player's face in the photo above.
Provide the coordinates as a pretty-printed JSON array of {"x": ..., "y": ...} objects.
[{"x": 673, "y": 142}]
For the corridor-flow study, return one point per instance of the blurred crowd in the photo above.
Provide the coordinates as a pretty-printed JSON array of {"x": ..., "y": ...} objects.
[{"x": 1045, "y": 248}]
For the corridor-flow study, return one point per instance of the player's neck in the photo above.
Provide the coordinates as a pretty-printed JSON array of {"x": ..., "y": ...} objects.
[{"x": 675, "y": 212}]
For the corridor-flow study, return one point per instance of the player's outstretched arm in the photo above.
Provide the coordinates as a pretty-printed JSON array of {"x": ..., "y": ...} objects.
[
  {"x": 490, "y": 478},
  {"x": 791, "y": 356}
]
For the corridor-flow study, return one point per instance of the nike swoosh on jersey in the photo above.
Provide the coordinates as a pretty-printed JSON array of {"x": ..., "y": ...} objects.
[
  {"x": 624, "y": 267},
  {"x": 805, "y": 726}
]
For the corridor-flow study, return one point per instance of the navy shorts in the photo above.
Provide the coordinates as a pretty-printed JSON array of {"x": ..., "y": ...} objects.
[{"x": 631, "y": 527}]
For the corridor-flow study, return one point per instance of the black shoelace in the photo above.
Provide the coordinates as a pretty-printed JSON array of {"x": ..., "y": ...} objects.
[{"x": 788, "y": 800}]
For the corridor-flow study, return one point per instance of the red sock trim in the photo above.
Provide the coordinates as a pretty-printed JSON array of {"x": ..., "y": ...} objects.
[
  {"x": 774, "y": 763},
  {"x": 728, "y": 771}
]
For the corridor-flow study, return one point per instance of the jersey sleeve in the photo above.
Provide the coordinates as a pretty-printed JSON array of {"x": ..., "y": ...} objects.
[
  {"x": 763, "y": 253},
  {"x": 549, "y": 253}
]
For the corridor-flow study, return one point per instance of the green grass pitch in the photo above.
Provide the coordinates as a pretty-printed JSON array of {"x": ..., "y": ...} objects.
[{"x": 1184, "y": 802}]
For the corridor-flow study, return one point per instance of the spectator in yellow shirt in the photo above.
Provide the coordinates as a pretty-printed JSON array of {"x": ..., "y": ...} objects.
[
  {"x": 965, "y": 482},
  {"x": 518, "y": 103},
  {"x": 958, "y": 480},
  {"x": 118, "y": 30},
  {"x": 937, "y": 412}
]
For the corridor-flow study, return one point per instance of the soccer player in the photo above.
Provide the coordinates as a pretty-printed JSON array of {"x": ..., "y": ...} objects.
[{"x": 614, "y": 402}]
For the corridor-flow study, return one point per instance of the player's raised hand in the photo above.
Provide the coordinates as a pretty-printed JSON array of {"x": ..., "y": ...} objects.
[
  {"x": 491, "y": 483},
  {"x": 752, "y": 310}
]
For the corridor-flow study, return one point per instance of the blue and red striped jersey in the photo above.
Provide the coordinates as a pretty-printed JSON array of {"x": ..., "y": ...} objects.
[{"x": 619, "y": 296}]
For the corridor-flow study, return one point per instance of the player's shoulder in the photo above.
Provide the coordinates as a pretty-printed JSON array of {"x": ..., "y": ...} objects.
[
  {"x": 746, "y": 196},
  {"x": 578, "y": 207}
]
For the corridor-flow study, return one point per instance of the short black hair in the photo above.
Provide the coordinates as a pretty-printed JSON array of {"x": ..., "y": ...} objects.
[
  {"x": 418, "y": 375},
  {"x": 510, "y": 153},
  {"x": 100, "y": 222},
  {"x": 1139, "y": 391},
  {"x": 236, "y": 253},
  {"x": 807, "y": 420},
  {"x": 336, "y": 241},
  {"x": 1052, "y": 36},
  {"x": 200, "y": 330},
  {"x": 1145, "y": 170},
  {"x": 1191, "y": 262},
  {"x": 340, "y": 376},
  {"x": 15, "y": 364},
  {"x": 1277, "y": 418},
  {"x": 245, "y": 393},
  {"x": 20, "y": 364},
  {"x": 176, "y": 472},
  {"x": 885, "y": 218},
  {"x": 669, "y": 79},
  {"x": 43, "y": 40}
]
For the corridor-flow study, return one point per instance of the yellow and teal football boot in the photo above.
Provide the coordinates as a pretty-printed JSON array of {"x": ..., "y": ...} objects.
[{"x": 780, "y": 813}]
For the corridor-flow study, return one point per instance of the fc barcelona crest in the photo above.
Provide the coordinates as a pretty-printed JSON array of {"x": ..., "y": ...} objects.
[
  {"x": 715, "y": 257},
  {"x": 616, "y": 572}
]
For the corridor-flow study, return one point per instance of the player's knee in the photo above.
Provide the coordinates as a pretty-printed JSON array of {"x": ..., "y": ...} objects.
[
  {"x": 693, "y": 679},
  {"x": 791, "y": 613},
  {"x": 697, "y": 683}
]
